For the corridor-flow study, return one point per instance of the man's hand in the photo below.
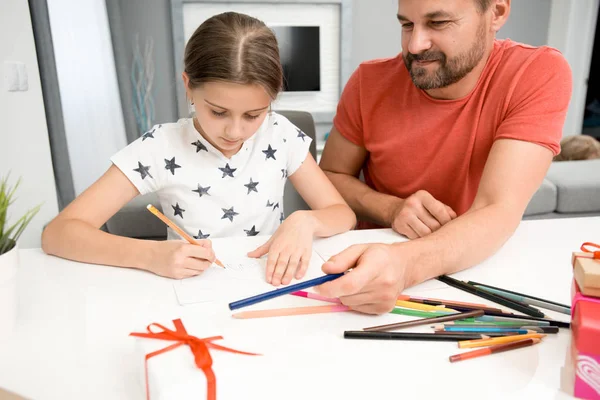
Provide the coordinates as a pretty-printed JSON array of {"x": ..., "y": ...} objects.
[
  {"x": 377, "y": 278},
  {"x": 419, "y": 215}
]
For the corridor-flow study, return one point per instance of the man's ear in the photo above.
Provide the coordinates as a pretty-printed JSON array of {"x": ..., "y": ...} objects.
[{"x": 500, "y": 11}]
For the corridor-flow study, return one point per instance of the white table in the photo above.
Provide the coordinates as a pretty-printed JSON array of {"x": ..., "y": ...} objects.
[{"x": 71, "y": 340}]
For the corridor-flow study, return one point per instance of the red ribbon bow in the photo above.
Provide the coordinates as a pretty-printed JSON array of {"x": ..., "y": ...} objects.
[
  {"x": 198, "y": 346},
  {"x": 595, "y": 253}
]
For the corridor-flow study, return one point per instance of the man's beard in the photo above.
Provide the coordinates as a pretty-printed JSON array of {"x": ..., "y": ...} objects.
[{"x": 450, "y": 70}]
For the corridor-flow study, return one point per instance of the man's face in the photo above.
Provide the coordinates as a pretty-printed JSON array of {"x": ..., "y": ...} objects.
[{"x": 442, "y": 40}]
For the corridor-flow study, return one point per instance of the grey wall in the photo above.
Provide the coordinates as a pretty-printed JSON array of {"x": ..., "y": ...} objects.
[
  {"x": 147, "y": 18},
  {"x": 528, "y": 22}
]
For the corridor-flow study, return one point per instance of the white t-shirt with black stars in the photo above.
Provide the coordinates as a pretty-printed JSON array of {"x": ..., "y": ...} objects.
[{"x": 207, "y": 194}]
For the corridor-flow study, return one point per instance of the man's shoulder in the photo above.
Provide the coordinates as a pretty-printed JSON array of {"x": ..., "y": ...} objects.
[{"x": 520, "y": 56}]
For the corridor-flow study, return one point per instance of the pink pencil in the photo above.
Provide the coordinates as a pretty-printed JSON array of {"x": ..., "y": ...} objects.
[
  {"x": 302, "y": 293},
  {"x": 283, "y": 312}
]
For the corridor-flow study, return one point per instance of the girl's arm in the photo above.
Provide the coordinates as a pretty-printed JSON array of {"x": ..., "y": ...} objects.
[
  {"x": 329, "y": 212},
  {"x": 75, "y": 234}
]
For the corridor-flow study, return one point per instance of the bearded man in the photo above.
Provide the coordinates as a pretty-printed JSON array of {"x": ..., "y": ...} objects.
[{"x": 453, "y": 136}]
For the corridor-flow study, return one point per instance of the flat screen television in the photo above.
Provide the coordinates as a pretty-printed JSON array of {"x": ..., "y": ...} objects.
[{"x": 299, "y": 50}]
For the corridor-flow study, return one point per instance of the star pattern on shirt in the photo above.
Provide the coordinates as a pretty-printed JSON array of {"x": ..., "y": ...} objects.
[
  {"x": 284, "y": 173},
  {"x": 275, "y": 123},
  {"x": 199, "y": 146},
  {"x": 143, "y": 170},
  {"x": 276, "y": 205},
  {"x": 178, "y": 210},
  {"x": 148, "y": 134},
  {"x": 269, "y": 204},
  {"x": 227, "y": 171},
  {"x": 270, "y": 153},
  {"x": 251, "y": 186},
  {"x": 301, "y": 134},
  {"x": 202, "y": 190},
  {"x": 229, "y": 213},
  {"x": 251, "y": 232},
  {"x": 171, "y": 166},
  {"x": 201, "y": 236},
  {"x": 281, "y": 218}
]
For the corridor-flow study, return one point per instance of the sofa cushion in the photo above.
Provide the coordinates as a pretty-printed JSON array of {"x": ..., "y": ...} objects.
[
  {"x": 543, "y": 200},
  {"x": 133, "y": 220},
  {"x": 578, "y": 185}
]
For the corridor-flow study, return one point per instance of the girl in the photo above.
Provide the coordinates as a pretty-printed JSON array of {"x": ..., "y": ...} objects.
[{"x": 221, "y": 173}]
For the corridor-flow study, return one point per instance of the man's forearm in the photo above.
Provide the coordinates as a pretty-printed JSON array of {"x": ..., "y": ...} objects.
[
  {"x": 367, "y": 203},
  {"x": 460, "y": 244}
]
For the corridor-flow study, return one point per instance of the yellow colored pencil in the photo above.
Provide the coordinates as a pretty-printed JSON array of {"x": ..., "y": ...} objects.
[
  {"x": 284, "y": 312},
  {"x": 422, "y": 307},
  {"x": 468, "y": 344},
  {"x": 177, "y": 229}
]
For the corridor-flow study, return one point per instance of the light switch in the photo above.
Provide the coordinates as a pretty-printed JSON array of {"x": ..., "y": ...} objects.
[
  {"x": 11, "y": 76},
  {"x": 23, "y": 80}
]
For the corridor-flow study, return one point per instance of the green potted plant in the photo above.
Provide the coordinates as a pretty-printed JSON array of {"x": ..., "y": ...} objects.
[{"x": 9, "y": 255}]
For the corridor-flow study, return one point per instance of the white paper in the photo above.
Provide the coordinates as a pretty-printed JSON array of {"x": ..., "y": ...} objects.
[{"x": 242, "y": 276}]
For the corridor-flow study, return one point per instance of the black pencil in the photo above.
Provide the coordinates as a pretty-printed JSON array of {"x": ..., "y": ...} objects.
[
  {"x": 515, "y": 305},
  {"x": 441, "y": 337},
  {"x": 519, "y": 294},
  {"x": 552, "y": 322}
]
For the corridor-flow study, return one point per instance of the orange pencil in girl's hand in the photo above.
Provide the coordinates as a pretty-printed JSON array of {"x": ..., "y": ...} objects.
[{"x": 177, "y": 229}]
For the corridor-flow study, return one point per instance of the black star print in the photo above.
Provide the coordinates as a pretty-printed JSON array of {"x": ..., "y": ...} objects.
[
  {"x": 171, "y": 166},
  {"x": 143, "y": 170},
  {"x": 301, "y": 134},
  {"x": 229, "y": 213},
  {"x": 227, "y": 171},
  {"x": 202, "y": 190},
  {"x": 284, "y": 173},
  {"x": 281, "y": 218},
  {"x": 275, "y": 123},
  {"x": 178, "y": 210},
  {"x": 270, "y": 153},
  {"x": 284, "y": 140},
  {"x": 251, "y": 232},
  {"x": 201, "y": 235},
  {"x": 251, "y": 186},
  {"x": 269, "y": 204},
  {"x": 199, "y": 146},
  {"x": 275, "y": 206},
  {"x": 149, "y": 134}
]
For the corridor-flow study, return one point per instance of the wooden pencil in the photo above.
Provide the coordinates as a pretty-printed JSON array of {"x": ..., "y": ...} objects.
[
  {"x": 424, "y": 321},
  {"x": 469, "y": 344},
  {"x": 410, "y": 336},
  {"x": 177, "y": 229},
  {"x": 284, "y": 312},
  {"x": 493, "y": 349}
]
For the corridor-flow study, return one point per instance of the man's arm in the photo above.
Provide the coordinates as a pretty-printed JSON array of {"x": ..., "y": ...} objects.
[
  {"x": 342, "y": 161},
  {"x": 513, "y": 172}
]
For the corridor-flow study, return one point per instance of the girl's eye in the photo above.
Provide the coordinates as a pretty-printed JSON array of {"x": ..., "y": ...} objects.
[
  {"x": 252, "y": 117},
  {"x": 218, "y": 114}
]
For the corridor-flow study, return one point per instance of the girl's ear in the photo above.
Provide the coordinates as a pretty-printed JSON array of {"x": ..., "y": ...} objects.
[{"x": 186, "y": 83}]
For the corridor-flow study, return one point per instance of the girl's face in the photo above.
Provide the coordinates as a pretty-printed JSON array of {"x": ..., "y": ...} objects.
[{"x": 228, "y": 113}]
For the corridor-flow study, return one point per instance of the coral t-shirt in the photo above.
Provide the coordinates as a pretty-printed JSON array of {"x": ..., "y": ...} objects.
[{"x": 416, "y": 142}]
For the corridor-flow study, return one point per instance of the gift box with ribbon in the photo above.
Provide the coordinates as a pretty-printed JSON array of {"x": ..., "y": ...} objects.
[
  {"x": 586, "y": 269},
  {"x": 177, "y": 365},
  {"x": 582, "y": 368}
]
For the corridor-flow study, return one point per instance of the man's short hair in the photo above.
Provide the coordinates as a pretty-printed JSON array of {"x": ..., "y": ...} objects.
[{"x": 483, "y": 5}]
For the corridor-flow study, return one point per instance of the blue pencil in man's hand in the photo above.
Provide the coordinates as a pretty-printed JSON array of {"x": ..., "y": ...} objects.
[{"x": 280, "y": 292}]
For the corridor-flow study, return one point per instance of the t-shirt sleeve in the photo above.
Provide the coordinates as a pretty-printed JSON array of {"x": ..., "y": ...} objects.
[
  {"x": 297, "y": 144},
  {"x": 538, "y": 107},
  {"x": 140, "y": 161},
  {"x": 348, "y": 117}
]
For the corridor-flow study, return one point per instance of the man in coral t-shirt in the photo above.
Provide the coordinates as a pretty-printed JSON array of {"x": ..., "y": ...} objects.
[{"x": 454, "y": 136}]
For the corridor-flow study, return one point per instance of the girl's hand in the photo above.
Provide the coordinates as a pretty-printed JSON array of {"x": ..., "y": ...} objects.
[
  {"x": 179, "y": 259},
  {"x": 290, "y": 249}
]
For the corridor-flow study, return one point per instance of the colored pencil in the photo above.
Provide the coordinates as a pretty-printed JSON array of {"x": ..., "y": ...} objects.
[
  {"x": 500, "y": 321},
  {"x": 493, "y": 349},
  {"x": 417, "y": 313},
  {"x": 283, "y": 312},
  {"x": 280, "y": 292},
  {"x": 456, "y": 305},
  {"x": 410, "y": 336},
  {"x": 524, "y": 308},
  {"x": 491, "y": 316},
  {"x": 497, "y": 324},
  {"x": 540, "y": 329},
  {"x": 453, "y": 328},
  {"x": 488, "y": 334},
  {"x": 423, "y": 307},
  {"x": 310, "y": 295},
  {"x": 177, "y": 229},
  {"x": 469, "y": 344},
  {"x": 424, "y": 321},
  {"x": 527, "y": 300}
]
